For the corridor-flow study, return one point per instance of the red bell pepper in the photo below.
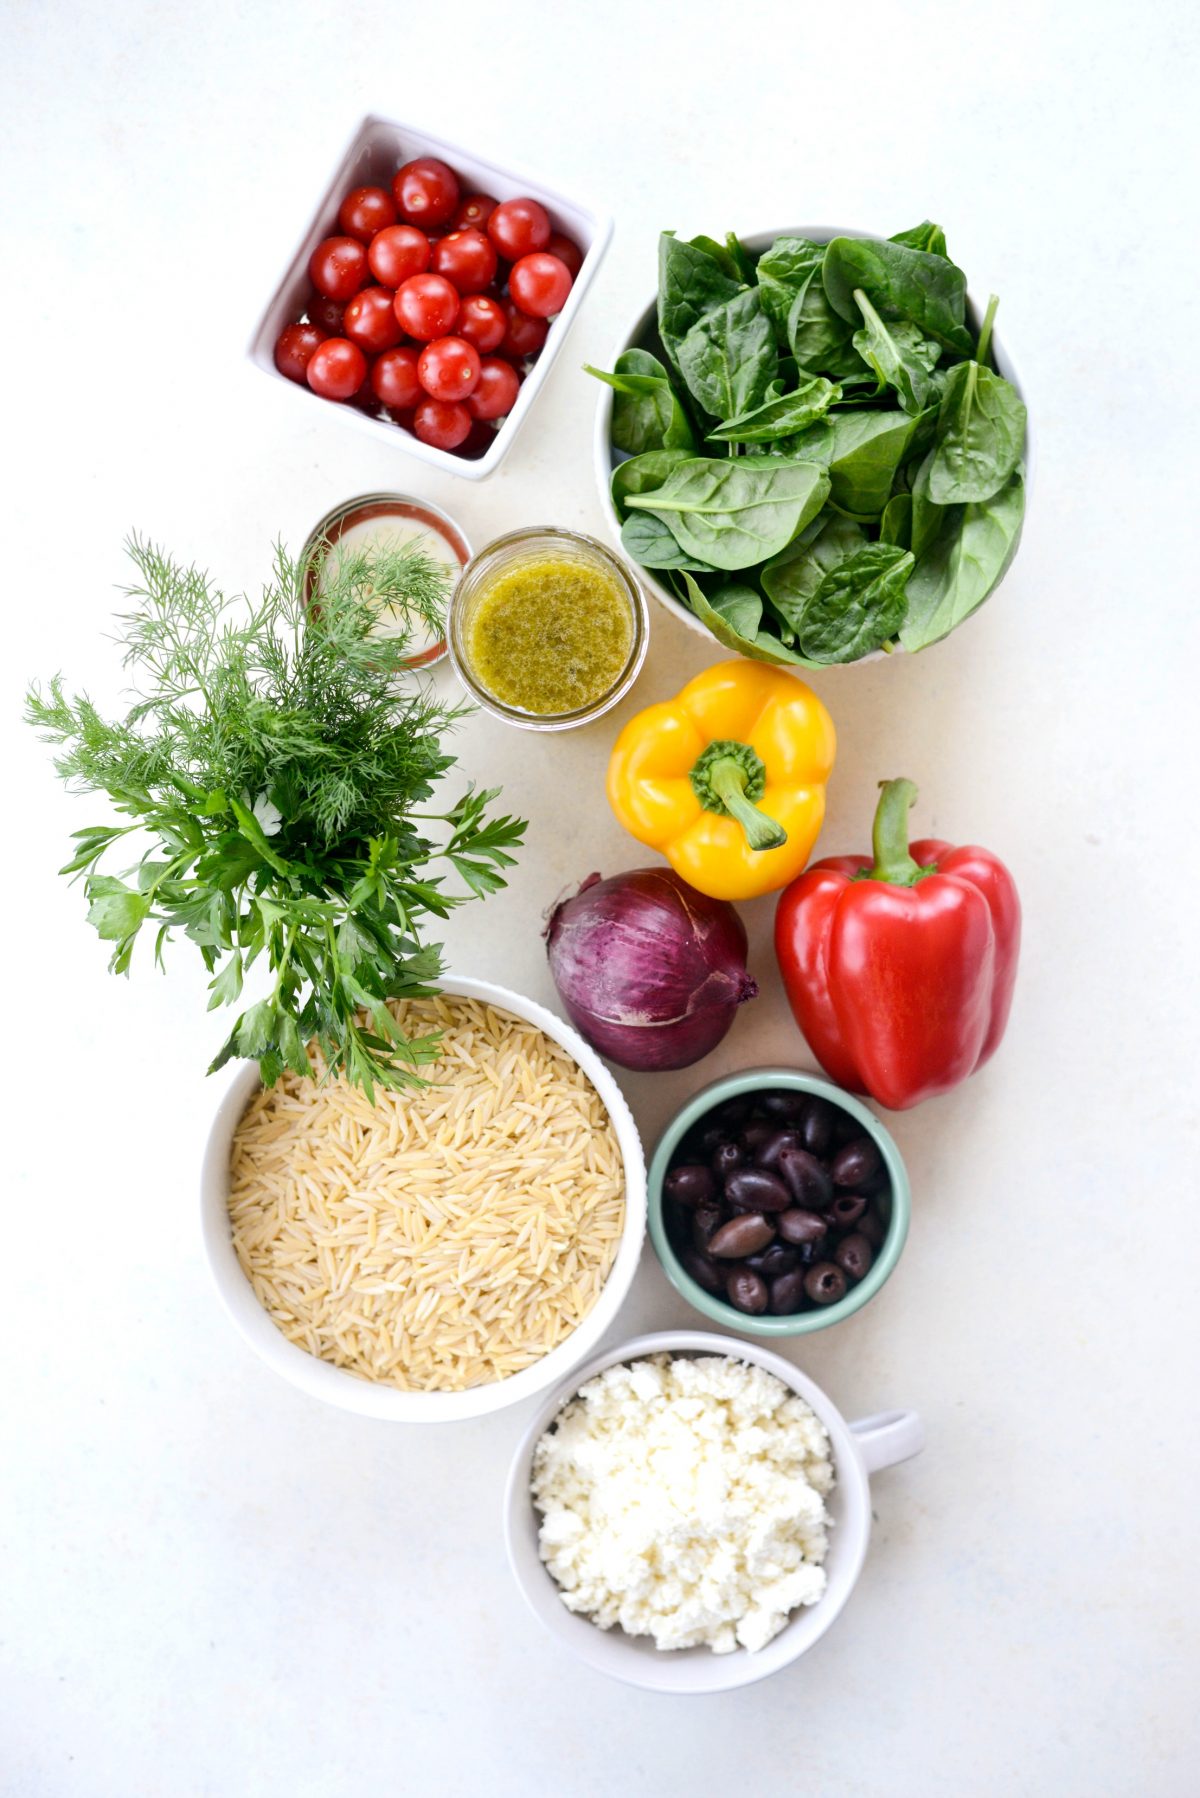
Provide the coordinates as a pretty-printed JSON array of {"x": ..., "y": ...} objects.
[{"x": 900, "y": 969}]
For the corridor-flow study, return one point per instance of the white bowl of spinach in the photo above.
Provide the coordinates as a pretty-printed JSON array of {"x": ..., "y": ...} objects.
[{"x": 813, "y": 443}]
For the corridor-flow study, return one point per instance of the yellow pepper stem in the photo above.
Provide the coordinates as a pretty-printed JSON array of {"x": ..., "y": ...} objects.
[{"x": 728, "y": 778}]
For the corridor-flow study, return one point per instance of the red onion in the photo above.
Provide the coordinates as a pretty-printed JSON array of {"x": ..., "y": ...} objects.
[{"x": 650, "y": 971}]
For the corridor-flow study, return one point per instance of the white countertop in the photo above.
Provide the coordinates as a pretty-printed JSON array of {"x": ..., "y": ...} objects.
[{"x": 214, "y": 1585}]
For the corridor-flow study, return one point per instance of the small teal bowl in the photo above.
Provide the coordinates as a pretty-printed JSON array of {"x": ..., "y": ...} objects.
[{"x": 898, "y": 1205}]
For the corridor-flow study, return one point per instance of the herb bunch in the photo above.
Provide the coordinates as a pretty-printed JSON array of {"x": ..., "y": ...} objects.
[{"x": 273, "y": 755}]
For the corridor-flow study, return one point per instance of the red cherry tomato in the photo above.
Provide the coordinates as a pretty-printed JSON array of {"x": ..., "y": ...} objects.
[
  {"x": 365, "y": 211},
  {"x": 327, "y": 315},
  {"x": 336, "y": 369},
  {"x": 426, "y": 192},
  {"x": 371, "y": 320},
  {"x": 465, "y": 258},
  {"x": 482, "y": 322},
  {"x": 496, "y": 390},
  {"x": 427, "y": 306},
  {"x": 296, "y": 344},
  {"x": 524, "y": 335},
  {"x": 567, "y": 251},
  {"x": 539, "y": 284},
  {"x": 441, "y": 423},
  {"x": 518, "y": 227},
  {"x": 398, "y": 252},
  {"x": 474, "y": 212},
  {"x": 338, "y": 267},
  {"x": 394, "y": 379},
  {"x": 449, "y": 368}
]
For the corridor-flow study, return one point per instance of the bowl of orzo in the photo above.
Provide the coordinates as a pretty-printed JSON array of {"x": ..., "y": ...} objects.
[{"x": 436, "y": 1253}]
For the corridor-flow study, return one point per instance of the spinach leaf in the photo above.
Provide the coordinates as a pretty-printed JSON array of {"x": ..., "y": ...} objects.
[
  {"x": 925, "y": 236},
  {"x": 859, "y": 605},
  {"x": 740, "y": 606},
  {"x": 640, "y": 473},
  {"x": 901, "y": 357},
  {"x": 896, "y": 524},
  {"x": 690, "y": 283},
  {"x": 782, "y": 271},
  {"x": 899, "y": 281},
  {"x": 980, "y": 436},
  {"x": 791, "y": 579},
  {"x": 925, "y": 518},
  {"x": 761, "y": 647},
  {"x": 646, "y": 413},
  {"x": 728, "y": 358},
  {"x": 821, "y": 342},
  {"x": 650, "y": 541},
  {"x": 862, "y": 451},
  {"x": 736, "y": 513},
  {"x": 955, "y": 575},
  {"x": 780, "y": 415},
  {"x": 720, "y": 253}
]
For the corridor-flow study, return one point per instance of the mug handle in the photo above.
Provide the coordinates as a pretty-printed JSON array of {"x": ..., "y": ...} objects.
[{"x": 888, "y": 1437}]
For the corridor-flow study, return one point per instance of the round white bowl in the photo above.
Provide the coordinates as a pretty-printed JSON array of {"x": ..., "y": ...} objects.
[
  {"x": 605, "y": 459},
  {"x": 375, "y": 1399},
  {"x": 859, "y": 1449}
]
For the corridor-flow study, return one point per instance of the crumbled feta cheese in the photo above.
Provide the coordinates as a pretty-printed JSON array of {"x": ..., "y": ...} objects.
[{"x": 684, "y": 1499}]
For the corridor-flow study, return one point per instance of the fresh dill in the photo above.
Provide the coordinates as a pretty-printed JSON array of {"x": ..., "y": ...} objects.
[{"x": 274, "y": 754}]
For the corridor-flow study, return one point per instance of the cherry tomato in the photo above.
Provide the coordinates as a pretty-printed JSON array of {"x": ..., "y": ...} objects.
[
  {"x": 567, "y": 251},
  {"x": 398, "y": 252},
  {"x": 441, "y": 423},
  {"x": 539, "y": 284},
  {"x": 482, "y": 322},
  {"x": 365, "y": 211},
  {"x": 426, "y": 192},
  {"x": 518, "y": 227},
  {"x": 371, "y": 320},
  {"x": 394, "y": 379},
  {"x": 474, "y": 212},
  {"x": 338, "y": 267},
  {"x": 524, "y": 335},
  {"x": 296, "y": 344},
  {"x": 496, "y": 391},
  {"x": 336, "y": 369},
  {"x": 479, "y": 442},
  {"x": 427, "y": 306},
  {"x": 465, "y": 258},
  {"x": 327, "y": 315},
  {"x": 449, "y": 368}
]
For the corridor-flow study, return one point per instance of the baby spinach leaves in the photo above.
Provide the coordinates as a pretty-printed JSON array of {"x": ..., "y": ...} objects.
[{"x": 859, "y": 474}]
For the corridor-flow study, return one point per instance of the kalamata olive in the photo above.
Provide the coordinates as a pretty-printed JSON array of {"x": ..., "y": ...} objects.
[
  {"x": 754, "y": 1134},
  {"x": 690, "y": 1185},
  {"x": 733, "y": 1113},
  {"x": 741, "y": 1236},
  {"x": 805, "y": 1178},
  {"x": 711, "y": 1137},
  {"x": 777, "y": 1259},
  {"x": 816, "y": 1126},
  {"x": 854, "y": 1255},
  {"x": 747, "y": 1290},
  {"x": 787, "y": 1292},
  {"x": 782, "y": 1103},
  {"x": 754, "y": 1189},
  {"x": 725, "y": 1157},
  {"x": 703, "y": 1271},
  {"x": 782, "y": 1137},
  {"x": 706, "y": 1221},
  {"x": 846, "y": 1209},
  {"x": 798, "y": 1226},
  {"x": 845, "y": 1127},
  {"x": 855, "y": 1162},
  {"x": 825, "y": 1283},
  {"x": 873, "y": 1227}
]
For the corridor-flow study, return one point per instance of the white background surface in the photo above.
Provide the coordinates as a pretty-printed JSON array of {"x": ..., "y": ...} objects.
[{"x": 213, "y": 1585}]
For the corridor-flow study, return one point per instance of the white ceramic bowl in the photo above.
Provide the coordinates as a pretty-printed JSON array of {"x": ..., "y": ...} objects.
[
  {"x": 859, "y": 1449},
  {"x": 334, "y": 1384},
  {"x": 605, "y": 458},
  {"x": 375, "y": 151}
]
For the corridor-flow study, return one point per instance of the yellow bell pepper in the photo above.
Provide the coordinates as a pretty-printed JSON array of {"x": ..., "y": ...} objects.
[{"x": 727, "y": 780}]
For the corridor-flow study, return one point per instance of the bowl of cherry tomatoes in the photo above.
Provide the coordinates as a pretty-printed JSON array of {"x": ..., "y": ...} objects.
[{"x": 429, "y": 295}]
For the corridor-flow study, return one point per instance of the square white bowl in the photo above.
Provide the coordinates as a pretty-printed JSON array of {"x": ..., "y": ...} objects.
[{"x": 375, "y": 151}]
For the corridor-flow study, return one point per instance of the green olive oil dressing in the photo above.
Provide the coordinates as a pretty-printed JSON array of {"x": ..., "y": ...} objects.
[{"x": 550, "y": 635}]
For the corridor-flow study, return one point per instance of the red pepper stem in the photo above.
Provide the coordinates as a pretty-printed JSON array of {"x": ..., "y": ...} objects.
[{"x": 889, "y": 835}]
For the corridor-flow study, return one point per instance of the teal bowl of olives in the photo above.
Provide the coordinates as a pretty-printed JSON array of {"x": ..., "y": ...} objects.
[{"x": 778, "y": 1203}]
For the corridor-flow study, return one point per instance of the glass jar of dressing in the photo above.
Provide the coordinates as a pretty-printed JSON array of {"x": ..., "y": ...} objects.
[{"x": 548, "y": 629}]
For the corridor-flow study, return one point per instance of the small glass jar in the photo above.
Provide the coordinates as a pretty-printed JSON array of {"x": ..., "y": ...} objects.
[{"x": 523, "y": 548}]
